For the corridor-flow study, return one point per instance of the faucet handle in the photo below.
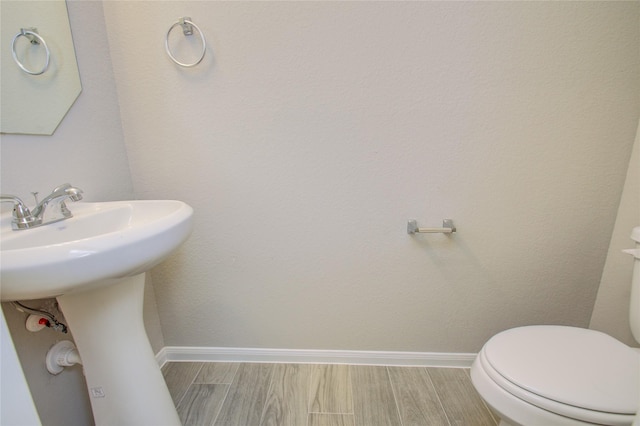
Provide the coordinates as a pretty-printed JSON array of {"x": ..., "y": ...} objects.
[{"x": 22, "y": 217}]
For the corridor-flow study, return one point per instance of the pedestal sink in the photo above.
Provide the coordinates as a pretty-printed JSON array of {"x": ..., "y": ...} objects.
[{"x": 94, "y": 264}]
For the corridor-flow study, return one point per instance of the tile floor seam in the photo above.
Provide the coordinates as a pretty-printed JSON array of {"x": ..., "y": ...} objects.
[
  {"x": 309, "y": 372},
  {"x": 233, "y": 379},
  {"x": 353, "y": 399},
  {"x": 215, "y": 418},
  {"x": 395, "y": 398},
  {"x": 353, "y": 402},
  {"x": 433, "y": 386},
  {"x": 266, "y": 397},
  {"x": 190, "y": 384}
]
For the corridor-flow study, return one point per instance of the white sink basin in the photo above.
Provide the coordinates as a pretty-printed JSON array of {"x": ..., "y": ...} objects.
[
  {"x": 102, "y": 241},
  {"x": 94, "y": 264}
]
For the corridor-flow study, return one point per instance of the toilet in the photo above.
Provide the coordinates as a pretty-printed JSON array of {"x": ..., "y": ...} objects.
[{"x": 548, "y": 375}]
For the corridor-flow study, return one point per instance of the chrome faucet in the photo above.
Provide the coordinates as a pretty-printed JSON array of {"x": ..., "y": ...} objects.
[{"x": 51, "y": 209}]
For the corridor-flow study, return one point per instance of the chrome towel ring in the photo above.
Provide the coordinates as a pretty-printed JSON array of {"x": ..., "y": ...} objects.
[
  {"x": 187, "y": 29},
  {"x": 34, "y": 38}
]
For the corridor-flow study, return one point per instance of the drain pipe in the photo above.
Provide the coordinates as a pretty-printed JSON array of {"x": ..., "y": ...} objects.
[{"x": 62, "y": 354}]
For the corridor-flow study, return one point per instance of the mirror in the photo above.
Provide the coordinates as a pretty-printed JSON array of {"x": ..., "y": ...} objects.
[{"x": 36, "y": 103}]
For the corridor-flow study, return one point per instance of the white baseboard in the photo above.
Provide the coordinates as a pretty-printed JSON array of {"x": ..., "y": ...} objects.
[{"x": 306, "y": 356}]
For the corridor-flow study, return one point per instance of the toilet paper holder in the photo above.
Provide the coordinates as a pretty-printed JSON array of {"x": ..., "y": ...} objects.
[{"x": 447, "y": 228}]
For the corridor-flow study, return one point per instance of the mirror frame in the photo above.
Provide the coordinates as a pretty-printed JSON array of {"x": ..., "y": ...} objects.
[{"x": 36, "y": 104}]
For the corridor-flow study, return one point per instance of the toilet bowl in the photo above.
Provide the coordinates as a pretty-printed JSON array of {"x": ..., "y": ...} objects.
[
  {"x": 550, "y": 375},
  {"x": 556, "y": 375}
]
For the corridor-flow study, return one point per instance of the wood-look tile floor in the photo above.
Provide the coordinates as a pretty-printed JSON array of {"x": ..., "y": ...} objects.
[{"x": 250, "y": 394}]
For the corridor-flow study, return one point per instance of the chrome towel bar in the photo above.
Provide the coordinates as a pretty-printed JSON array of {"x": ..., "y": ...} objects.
[{"x": 447, "y": 228}]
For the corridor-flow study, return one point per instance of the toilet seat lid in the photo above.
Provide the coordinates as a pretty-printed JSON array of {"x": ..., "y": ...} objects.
[{"x": 573, "y": 366}]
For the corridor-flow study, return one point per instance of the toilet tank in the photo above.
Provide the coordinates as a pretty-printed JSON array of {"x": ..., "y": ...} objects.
[{"x": 634, "y": 308}]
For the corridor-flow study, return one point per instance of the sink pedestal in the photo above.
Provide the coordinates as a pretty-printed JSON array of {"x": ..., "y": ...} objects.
[{"x": 125, "y": 384}]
